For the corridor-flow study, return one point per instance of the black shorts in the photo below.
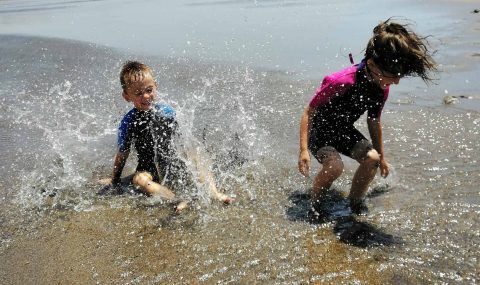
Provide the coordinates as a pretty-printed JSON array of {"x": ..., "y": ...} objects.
[{"x": 342, "y": 139}]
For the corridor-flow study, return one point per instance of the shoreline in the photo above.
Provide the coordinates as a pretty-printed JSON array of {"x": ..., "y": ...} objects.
[
  {"x": 76, "y": 236},
  {"x": 206, "y": 52}
]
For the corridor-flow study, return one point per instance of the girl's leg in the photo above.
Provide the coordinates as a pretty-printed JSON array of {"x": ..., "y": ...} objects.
[
  {"x": 332, "y": 168},
  {"x": 365, "y": 173}
]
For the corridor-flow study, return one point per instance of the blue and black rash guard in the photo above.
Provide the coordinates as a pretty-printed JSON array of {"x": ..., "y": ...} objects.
[{"x": 151, "y": 133}]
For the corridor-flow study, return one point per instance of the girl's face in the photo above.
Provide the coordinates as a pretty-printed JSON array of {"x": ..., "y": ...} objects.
[
  {"x": 141, "y": 93},
  {"x": 381, "y": 78}
]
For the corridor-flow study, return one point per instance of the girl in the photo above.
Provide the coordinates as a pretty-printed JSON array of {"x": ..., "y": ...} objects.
[{"x": 327, "y": 125}]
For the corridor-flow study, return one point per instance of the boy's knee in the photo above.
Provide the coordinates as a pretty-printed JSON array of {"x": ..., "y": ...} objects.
[{"x": 142, "y": 178}]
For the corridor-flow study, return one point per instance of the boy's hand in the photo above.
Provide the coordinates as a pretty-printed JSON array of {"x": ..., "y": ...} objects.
[
  {"x": 105, "y": 181},
  {"x": 109, "y": 181},
  {"x": 304, "y": 163},
  {"x": 384, "y": 168}
]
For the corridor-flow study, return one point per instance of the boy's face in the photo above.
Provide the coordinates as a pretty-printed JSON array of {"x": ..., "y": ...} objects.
[
  {"x": 381, "y": 78},
  {"x": 141, "y": 93}
]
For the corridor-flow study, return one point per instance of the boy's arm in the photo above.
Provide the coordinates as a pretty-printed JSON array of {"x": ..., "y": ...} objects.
[
  {"x": 120, "y": 159},
  {"x": 304, "y": 157},
  {"x": 375, "y": 129}
]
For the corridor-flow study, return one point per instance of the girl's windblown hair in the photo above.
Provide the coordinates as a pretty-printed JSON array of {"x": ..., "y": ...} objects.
[{"x": 397, "y": 50}]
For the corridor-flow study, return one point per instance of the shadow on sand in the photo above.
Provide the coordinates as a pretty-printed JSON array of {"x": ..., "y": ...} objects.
[{"x": 347, "y": 227}]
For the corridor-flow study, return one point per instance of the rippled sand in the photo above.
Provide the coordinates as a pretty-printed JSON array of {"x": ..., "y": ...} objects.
[{"x": 60, "y": 105}]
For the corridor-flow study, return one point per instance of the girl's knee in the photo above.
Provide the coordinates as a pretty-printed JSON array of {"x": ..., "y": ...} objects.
[
  {"x": 334, "y": 169},
  {"x": 365, "y": 154},
  {"x": 331, "y": 161},
  {"x": 372, "y": 159}
]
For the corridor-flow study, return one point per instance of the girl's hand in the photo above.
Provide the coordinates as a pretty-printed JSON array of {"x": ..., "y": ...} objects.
[
  {"x": 384, "y": 168},
  {"x": 304, "y": 163}
]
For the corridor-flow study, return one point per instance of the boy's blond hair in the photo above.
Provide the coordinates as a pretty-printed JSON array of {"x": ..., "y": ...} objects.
[{"x": 133, "y": 71}]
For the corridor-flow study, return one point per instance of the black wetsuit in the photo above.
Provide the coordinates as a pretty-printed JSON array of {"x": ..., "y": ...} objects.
[
  {"x": 152, "y": 133},
  {"x": 342, "y": 98}
]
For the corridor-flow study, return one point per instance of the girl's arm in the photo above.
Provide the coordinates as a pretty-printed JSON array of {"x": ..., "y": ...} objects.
[
  {"x": 304, "y": 157},
  {"x": 120, "y": 159},
  {"x": 375, "y": 129}
]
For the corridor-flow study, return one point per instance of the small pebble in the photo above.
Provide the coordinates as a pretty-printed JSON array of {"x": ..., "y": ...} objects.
[{"x": 448, "y": 100}]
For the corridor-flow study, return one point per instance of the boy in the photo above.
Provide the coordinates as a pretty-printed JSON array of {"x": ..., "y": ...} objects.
[
  {"x": 151, "y": 127},
  {"x": 327, "y": 125}
]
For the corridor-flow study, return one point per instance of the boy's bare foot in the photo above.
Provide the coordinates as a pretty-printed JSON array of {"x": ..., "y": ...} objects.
[
  {"x": 225, "y": 199},
  {"x": 180, "y": 207}
]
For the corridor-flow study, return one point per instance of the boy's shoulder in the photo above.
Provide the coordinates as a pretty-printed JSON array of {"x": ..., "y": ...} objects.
[
  {"x": 129, "y": 116},
  {"x": 165, "y": 110},
  {"x": 161, "y": 109}
]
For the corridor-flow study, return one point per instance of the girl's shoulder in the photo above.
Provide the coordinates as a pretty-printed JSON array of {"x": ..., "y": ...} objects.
[{"x": 344, "y": 77}]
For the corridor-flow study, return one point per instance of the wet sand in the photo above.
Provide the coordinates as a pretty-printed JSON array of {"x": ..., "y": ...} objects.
[
  {"x": 150, "y": 244},
  {"x": 423, "y": 231}
]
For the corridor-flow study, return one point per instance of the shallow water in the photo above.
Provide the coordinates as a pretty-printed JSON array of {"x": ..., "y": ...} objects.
[{"x": 61, "y": 104}]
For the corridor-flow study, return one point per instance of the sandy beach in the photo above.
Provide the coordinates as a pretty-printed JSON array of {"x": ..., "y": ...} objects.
[{"x": 240, "y": 86}]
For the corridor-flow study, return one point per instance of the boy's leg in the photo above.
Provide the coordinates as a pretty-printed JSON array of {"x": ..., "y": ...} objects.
[
  {"x": 212, "y": 188},
  {"x": 206, "y": 176},
  {"x": 144, "y": 181},
  {"x": 369, "y": 160},
  {"x": 332, "y": 168}
]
